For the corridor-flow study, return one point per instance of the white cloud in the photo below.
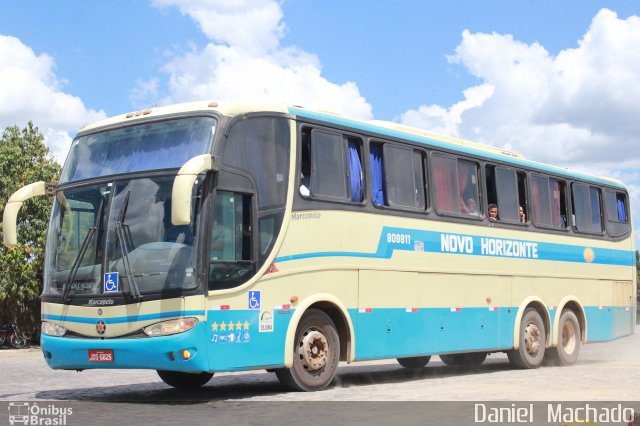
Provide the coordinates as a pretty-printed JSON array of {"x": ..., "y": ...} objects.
[
  {"x": 30, "y": 90},
  {"x": 577, "y": 109},
  {"x": 245, "y": 60}
]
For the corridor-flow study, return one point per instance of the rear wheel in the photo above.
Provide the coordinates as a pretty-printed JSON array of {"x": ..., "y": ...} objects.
[
  {"x": 414, "y": 363},
  {"x": 181, "y": 380},
  {"x": 568, "y": 349},
  {"x": 472, "y": 359},
  {"x": 3, "y": 337},
  {"x": 532, "y": 339},
  {"x": 316, "y": 353}
]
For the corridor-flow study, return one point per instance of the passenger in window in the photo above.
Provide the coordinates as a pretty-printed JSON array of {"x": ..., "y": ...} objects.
[
  {"x": 493, "y": 212},
  {"x": 523, "y": 215},
  {"x": 470, "y": 207}
]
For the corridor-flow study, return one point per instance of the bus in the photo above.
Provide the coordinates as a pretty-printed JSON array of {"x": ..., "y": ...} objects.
[{"x": 226, "y": 236}]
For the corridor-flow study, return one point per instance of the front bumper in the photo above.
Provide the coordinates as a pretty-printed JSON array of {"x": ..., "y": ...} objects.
[{"x": 153, "y": 353}]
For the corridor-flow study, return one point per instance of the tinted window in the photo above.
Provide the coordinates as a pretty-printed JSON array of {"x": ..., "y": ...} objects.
[
  {"x": 456, "y": 185},
  {"x": 549, "y": 202},
  {"x": 617, "y": 213},
  {"x": 586, "y": 209},
  {"x": 507, "y": 191},
  {"x": 331, "y": 166},
  {"x": 260, "y": 147},
  {"x": 397, "y": 176}
]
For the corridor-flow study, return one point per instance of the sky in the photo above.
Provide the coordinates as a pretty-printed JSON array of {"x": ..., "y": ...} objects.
[{"x": 558, "y": 82}]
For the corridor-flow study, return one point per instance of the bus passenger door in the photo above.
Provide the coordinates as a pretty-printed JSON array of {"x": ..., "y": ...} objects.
[{"x": 388, "y": 321}]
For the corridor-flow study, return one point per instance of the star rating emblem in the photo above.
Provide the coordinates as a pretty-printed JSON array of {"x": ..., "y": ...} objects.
[{"x": 214, "y": 326}]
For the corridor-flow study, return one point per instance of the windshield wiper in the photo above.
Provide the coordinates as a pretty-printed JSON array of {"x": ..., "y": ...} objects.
[
  {"x": 66, "y": 288},
  {"x": 120, "y": 237}
]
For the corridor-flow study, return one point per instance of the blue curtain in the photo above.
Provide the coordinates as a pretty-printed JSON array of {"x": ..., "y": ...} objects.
[
  {"x": 622, "y": 216},
  {"x": 377, "y": 180},
  {"x": 356, "y": 173}
]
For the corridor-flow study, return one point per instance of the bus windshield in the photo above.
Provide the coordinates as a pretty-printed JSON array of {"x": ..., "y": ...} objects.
[
  {"x": 122, "y": 229},
  {"x": 159, "y": 145}
]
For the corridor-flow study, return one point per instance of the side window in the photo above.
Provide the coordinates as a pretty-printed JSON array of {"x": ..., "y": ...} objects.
[
  {"x": 259, "y": 148},
  {"x": 506, "y": 189},
  {"x": 331, "y": 166},
  {"x": 397, "y": 175},
  {"x": 456, "y": 185},
  {"x": 616, "y": 213},
  {"x": 231, "y": 238},
  {"x": 549, "y": 202},
  {"x": 586, "y": 208}
]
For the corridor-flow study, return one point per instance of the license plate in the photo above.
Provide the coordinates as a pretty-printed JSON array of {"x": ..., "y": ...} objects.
[{"x": 100, "y": 355}]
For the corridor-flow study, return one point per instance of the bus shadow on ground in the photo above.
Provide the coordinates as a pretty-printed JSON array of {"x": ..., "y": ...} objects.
[{"x": 246, "y": 386}]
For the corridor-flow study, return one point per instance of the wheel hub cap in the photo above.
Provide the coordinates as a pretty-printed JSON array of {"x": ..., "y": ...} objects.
[
  {"x": 532, "y": 338},
  {"x": 313, "y": 350}
]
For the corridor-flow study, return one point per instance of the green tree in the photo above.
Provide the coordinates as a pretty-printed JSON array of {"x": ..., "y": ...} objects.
[{"x": 24, "y": 159}]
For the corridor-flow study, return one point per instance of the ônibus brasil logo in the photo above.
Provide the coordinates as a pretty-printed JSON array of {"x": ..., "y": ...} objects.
[{"x": 33, "y": 414}]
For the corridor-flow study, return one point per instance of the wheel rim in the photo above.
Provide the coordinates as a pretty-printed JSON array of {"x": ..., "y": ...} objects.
[
  {"x": 313, "y": 350},
  {"x": 569, "y": 337},
  {"x": 532, "y": 337}
]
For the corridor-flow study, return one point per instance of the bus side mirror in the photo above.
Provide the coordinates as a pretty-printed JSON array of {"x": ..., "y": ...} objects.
[
  {"x": 10, "y": 215},
  {"x": 183, "y": 185}
]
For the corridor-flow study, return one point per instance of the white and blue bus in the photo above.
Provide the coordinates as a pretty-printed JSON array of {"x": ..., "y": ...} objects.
[{"x": 225, "y": 236}]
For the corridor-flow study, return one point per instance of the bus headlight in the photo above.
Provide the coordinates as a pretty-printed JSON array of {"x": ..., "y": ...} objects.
[
  {"x": 174, "y": 326},
  {"x": 53, "y": 329}
]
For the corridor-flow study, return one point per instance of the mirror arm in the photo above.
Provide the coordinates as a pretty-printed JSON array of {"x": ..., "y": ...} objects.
[{"x": 10, "y": 215}]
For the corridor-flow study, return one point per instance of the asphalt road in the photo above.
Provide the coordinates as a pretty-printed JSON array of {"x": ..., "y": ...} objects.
[{"x": 378, "y": 392}]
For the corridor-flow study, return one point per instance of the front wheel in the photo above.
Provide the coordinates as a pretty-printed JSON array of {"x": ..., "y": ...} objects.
[
  {"x": 3, "y": 337},
  {"x": 414, "y": 363},
  {"x": 316, "y": 353},
  {"x": 17, "y": 342},
  {"x": 181, "y": 380},
  {"x": 568, "y": 349},
  {"x": 532, "y": 339}
]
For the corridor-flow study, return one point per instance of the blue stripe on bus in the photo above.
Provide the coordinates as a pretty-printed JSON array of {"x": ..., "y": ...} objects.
[
  {"x": 373, "y": 128},
  {"x": 120, "y": 320},
  {"x": 476, "y": 245}
]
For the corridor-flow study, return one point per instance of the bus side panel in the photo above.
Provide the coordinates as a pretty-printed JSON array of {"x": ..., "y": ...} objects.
[
  {"x": 410, "y": 314},
  {"x": 388, "y": 319}
]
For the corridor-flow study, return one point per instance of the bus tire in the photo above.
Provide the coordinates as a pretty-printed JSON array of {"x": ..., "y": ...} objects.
[
  {"x": 415, "y": 362},
  {"x": 181, "y": 380},
  {"x": 471, "y": 359},
  {"x": 533, "y": 339},
  {"x": 568, "y": 349},
  {"x": 316, "y": 353}
]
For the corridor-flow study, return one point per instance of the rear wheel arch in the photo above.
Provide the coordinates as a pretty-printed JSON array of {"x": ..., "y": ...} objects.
[{"x": 571, "y": 303}]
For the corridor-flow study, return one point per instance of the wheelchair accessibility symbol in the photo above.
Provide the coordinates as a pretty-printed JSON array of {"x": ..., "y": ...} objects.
[
  {"x": 111, "y": 282},
  {"x": 254, "y": 300}
]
